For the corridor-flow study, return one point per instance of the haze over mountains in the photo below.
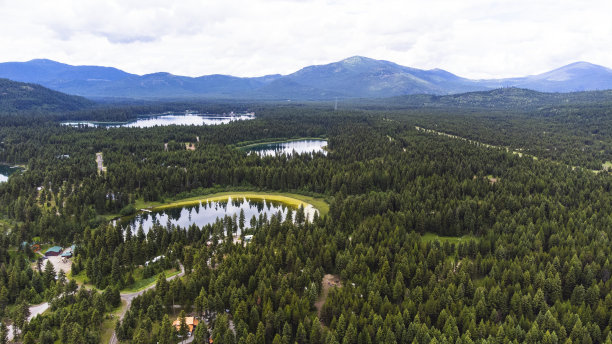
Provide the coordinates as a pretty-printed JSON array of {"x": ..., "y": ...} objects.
[{"x": 354, "y": 77}]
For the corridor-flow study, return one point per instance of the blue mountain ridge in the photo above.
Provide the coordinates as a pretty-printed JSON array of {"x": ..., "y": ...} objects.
[{"x": 354, "y": 77}]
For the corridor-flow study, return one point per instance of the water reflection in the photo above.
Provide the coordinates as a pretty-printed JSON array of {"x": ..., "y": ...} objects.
[
  {"x": 288, "y": 148},
  {"x": 206, "y": 213},
  {"x": 167, "y": 119},
  {"x": 6, "y": 171}
]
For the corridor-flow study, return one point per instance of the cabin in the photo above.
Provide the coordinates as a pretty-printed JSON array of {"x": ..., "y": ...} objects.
[
  {"x": 53, "y": 251},
  {"x": 192, "y": 323},
  {"x": 69, "y": 252}
]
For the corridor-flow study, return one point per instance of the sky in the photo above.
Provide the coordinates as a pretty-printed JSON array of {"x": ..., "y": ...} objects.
[{"x": 470, "y": 38}]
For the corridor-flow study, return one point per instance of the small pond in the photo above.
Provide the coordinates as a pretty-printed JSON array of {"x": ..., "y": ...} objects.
[
  {"x": 6, "y": 171},
  {"x": 167, "y": 119},
  {"x": 289, "y": 147},
  {"x": 208, "y": 212}
]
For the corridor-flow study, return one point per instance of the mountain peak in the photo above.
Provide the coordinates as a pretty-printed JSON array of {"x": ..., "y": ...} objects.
[
  {"x": 356, "y": 60},
  {"x": 582, "y": 64},
  {"x": 45, "y": 62}
]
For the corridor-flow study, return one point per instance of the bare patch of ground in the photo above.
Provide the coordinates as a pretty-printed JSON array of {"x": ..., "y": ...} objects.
[
  {"x": 59, "y": 263},
  {"x": 100, "y": 162},
  {"x": 329, "y": 281}
]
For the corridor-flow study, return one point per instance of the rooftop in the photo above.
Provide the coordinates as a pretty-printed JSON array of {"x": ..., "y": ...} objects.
[{"x": 54, "y": 249}]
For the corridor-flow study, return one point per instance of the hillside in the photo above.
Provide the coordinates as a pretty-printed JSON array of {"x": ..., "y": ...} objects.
[{"x": 18, "y": 96}]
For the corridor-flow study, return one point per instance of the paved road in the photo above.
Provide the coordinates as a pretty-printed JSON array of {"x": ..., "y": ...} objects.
[
  {"x": 128, "y": 297},
  {"x": 34, "y": 311}
]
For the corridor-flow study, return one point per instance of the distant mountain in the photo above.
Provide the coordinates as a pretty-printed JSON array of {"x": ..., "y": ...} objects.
[
  {"x": 100, "y": 82},
  {"x": 364, "y": 77},
  {"x": 354, "y": 77},
  {"x": 501, "y": 98},
  {"x": 19, "y": 96},
  {"x": 575, "y": 77}
]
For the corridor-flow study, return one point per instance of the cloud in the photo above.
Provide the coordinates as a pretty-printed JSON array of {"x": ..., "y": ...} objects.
[{"x": 472, "y": 38}]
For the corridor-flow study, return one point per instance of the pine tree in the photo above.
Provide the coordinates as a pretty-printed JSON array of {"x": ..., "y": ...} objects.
[
  {"x": 183, "y": 329},
  {"x": 167, "y": 332},
  {"x": 49, "y": 273},
  {"x": 3, "y": 333}
]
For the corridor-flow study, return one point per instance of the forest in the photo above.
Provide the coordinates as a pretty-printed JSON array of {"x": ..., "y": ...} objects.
[{"x": 430, "y": 238}]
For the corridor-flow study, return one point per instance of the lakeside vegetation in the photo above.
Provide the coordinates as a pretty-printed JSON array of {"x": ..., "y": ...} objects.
[
  {"x": 256, "y": 143},
  {"x": 293, "y": 200}
]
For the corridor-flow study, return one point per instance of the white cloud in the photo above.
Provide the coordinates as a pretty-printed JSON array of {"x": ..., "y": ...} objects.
[{"x": 471, "y": 38}]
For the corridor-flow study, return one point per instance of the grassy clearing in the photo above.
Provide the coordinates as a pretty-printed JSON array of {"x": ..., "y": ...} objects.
[
  {"x": 607, "y": 166},
  {"x": 80, "y": 278},
  {"x": 108, "y": 325},
  {"x": 429, "y": 237},
  {"x": 287, "y": 198},
  {"x": 141, "y": 284},
  {"x": 141, "y": 204}
]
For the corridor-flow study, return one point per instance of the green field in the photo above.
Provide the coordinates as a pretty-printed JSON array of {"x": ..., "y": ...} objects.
[{"x": 429, "y": 237}]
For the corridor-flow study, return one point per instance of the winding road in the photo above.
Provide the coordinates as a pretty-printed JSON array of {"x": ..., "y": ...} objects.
[{"x": 128, "y": 297}]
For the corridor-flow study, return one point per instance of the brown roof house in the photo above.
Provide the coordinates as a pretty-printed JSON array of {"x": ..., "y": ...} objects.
[{"x": 191, "y": 322}]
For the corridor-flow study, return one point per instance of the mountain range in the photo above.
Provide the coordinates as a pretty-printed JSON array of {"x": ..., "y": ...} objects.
[{"x": 354, "y": 77}]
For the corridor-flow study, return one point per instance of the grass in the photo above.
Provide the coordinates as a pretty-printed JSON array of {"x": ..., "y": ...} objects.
[
  {"x": 139, "y": 284},
  {"x": 607, "y": 165},
  {"x": 143, "y": 283},
  {"x": 108, "y": 325},
  {"x": 429, "y": 237},
  {"x": 80, "y": 278},
  {"x": 45, "y": 247},
  {"x": 141, "y": 204},
  {"x": 287, "y": 198}
]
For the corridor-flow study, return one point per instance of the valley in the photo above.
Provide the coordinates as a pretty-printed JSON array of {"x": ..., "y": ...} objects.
[{"x": 380, "y": 222}]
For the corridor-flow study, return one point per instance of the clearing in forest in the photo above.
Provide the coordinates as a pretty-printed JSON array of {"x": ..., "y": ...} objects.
[
  {"x": 329, "y": 281},
  {"x": 100, "y": 162}
]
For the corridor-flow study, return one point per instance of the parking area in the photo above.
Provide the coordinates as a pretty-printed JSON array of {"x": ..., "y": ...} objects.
[{"x": 59, "y": 263}]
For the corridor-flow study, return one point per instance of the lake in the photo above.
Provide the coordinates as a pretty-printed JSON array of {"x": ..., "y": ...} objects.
[
  {"x": 167, "y": 119},
  {"x": 6, "y": 171},
  {"x": 288, "y": 147},
  {"x": 204, "y": 213}
]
